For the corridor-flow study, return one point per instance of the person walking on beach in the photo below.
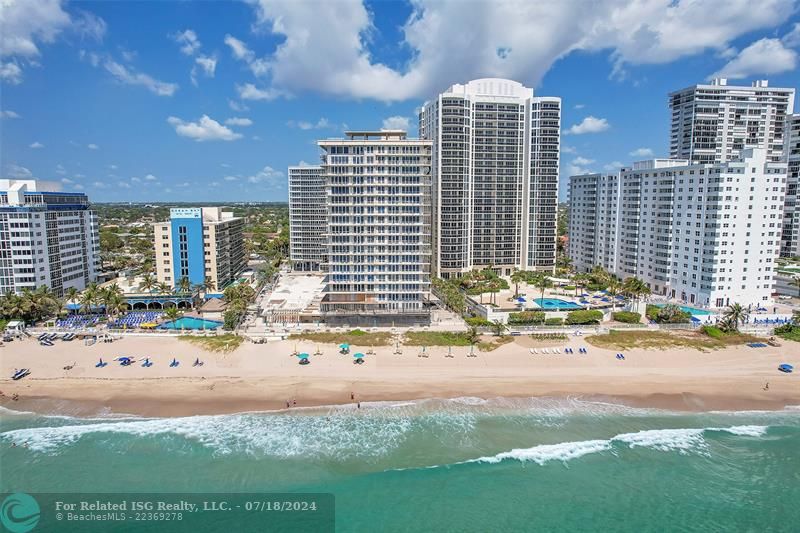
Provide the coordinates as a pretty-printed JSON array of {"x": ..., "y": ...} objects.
[
  {"x": 352, "y": 396},
  {"x": 288, "y": 405},
  {"x": 766, "y": 387},
  {"x": 294, "y": 402},
  {"x": 358, "y": 405}
]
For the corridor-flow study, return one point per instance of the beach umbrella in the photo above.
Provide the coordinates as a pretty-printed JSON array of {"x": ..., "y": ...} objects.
[
  {"x": 786, "y": 368},
  {"x": 344, "y": 346},
  {"x": 358, "y": 355},
  {"x": 302, "y": 355}
]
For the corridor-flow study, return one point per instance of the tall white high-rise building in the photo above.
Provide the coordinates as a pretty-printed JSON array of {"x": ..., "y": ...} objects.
[
  {"x": 713, "y": 123},
  {"x": 378, "y": 227},
  {"x": 47, "y": 238},
  {"x": 790, "y": 243},
  {"x": 495, "y": 177},
  {"x": 594, "y": 202},
  {"x": 307, "y": 217},
  {"x": 703, "y": 234}
]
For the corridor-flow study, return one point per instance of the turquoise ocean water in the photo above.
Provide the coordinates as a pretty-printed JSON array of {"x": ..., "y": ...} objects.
[{"x": 442, "y": 465}]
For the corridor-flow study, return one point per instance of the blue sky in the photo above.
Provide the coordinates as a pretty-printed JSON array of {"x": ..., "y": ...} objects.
[{"x": 201, "y": 101}]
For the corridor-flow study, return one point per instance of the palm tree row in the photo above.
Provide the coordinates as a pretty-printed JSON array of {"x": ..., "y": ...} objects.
[{"x": 30, "y": 305}]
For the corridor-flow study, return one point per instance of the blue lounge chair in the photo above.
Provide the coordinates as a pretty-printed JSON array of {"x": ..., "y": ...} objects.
[{"x": 100, "y": 363}]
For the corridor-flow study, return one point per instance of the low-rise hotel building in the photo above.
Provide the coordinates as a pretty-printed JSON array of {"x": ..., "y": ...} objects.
[
  {"x": 199, "y": 243},
  {"x": 47, "y": 238}
]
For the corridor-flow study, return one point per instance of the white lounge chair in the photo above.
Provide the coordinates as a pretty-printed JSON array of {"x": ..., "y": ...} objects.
[{"x": 533, "y": 351}]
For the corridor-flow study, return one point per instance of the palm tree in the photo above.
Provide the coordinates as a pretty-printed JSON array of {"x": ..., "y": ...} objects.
[
  {"x": 71, "y": 295},
  {"x": 613, "y": 291},
  {"x": 517, "y": 277},
  {"x": 163, "y": 288},
  {"x": 184, "y": 285},
  {"x": 172, "y": 313},
  {"x": 89, "y": 299},
  {"x": 542, "y": 282},
  {"x": 499, "y": 328},
  {"x": 796, "y": 282},
  {"x": 734, "y": 315},
  {"x": 209, "y": 285},
  {"x": 148, "y": 283},
  {"x": 472, "y": 335}
]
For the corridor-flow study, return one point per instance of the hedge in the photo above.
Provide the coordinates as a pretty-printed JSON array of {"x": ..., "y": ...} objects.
[
  {"x": 628, "y": 317},
  {"x": 584, "y": 317},
  {"x": 557, "y": 321},
  {"x": 526, "y": 317},
  {"x": 478, "y": 322}
]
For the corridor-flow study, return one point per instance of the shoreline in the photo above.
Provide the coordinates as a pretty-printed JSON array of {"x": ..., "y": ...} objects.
[
  {"x": 201, "y": 397},
  {"x": 264, "y": 377}
]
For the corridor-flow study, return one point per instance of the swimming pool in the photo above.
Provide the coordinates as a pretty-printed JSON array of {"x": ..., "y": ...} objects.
[
  {"x": 690, "y": 310},
  {"x": 554, "y": 304},
  {"x": 190, "y": 322}
]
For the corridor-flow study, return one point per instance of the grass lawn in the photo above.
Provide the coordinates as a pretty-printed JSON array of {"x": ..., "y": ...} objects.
[
  {"x": 435, "y": 338},
  {"x": 453, "y": 338},
  {"x": 355, "y": 337},
  {"x": 220, "y": 343},
  {"x": 624, "y": 340},
  {"x": 494, "y": 343}
]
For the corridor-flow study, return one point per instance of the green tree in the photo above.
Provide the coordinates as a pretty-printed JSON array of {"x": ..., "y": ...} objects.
[
  {"x": 148, "y": 283},
  {"x": 734, "y": 316},
  {"x": 499, "y": 328}
]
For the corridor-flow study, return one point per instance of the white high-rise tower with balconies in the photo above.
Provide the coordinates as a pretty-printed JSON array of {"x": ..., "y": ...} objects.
[
  {"x": 495, "y": 177},
  {"x": 714, "y": 123},
  {"x": 378, "y": 219}
]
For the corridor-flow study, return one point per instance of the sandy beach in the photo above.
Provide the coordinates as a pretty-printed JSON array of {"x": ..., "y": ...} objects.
[{"x": 264, "y": 376}]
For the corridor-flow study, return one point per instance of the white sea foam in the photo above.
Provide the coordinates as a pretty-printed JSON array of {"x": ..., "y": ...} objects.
[
  {"x": 664, "y": 439},
  {"x": 549, "y": 452},
  {"x": 681, "y": 440},
  {"x": 744, "y": 431}
]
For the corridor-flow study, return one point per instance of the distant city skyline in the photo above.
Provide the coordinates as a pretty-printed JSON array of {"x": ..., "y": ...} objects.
[{"x": 216, "y": 100}]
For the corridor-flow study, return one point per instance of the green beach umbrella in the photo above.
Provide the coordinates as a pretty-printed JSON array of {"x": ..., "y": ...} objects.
[{"x": 302, "y": 355}]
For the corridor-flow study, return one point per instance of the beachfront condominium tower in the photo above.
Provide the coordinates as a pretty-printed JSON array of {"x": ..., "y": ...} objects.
[
  {"x": 199, "y": 244},
  {"x": 307, "y": 217},
  {"x": 790, "y": 243},
  {"x": 713, "y": 123},
  {"x": 47, "y": 237},
  {"x": 593, "y": 205},
  {"x": 704, "y": 234},
  {"x": 378, "y": 227},
  {"x": 495, "y": 177}
]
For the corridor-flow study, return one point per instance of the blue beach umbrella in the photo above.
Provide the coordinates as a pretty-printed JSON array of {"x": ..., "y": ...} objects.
[
  {"x": 358, "y": 355},
  {"x": 786, "y": 368},
  {"x": 302, "y": 356},
  {"x": 344, "y": 346}
]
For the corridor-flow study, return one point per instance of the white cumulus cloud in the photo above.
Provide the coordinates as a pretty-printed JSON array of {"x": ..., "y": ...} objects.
[
  {"x": 248, "y": 91},
  {"x": 92, "y": 146},
  {"x": 763, "y": 57},
  {"x": 7, "y": 113},
  {"x": 188, "y": 41},
  {"x": 396, "y": 123},
  {"x": 239, "y": 121},
  {"x": 205, "y": 129},
  {"x": 642, "y": 152},
  {"x": 36, "y": 144},
  {"x": 130, "y": 77},
  {"x": 589, "y": 124},
  {"x": 325, "y": 46}
]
